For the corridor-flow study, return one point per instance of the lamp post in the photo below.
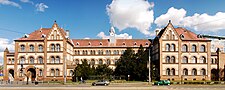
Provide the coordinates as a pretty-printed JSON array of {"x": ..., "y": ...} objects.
[{"x": 149, "y": 62}]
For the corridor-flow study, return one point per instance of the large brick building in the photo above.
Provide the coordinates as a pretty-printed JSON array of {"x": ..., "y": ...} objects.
[{"x": 50, "y": 54}]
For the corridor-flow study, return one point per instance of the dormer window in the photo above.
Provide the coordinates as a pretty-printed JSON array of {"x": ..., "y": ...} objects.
[
  {"x": 146, "y": 43},
  {"x": 100, "y": 43},
  {"x": 43, "y": 36},
  {"x": 77, "y": 44},
  {"x": 135, "y": 43},
  {"x": 89, "y": 43},
  {"x": 26, "y": 36},
  {"x": 182, "y": 36},
  {"x": 199, "y": 36},
  {"x": 124, "y": 43}
]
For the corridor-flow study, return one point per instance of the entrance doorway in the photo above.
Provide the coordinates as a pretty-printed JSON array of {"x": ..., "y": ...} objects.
[
  {"x": 11, "y": 75},
  {"x": 33, "y": 73},
  {"x": 214, "y": 75}
]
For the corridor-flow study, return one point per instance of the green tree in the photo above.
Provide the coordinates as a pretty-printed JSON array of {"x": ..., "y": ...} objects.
[
  {"x": 134, "y": 65},
  {"x": 103, "y": 70},
  {"x": 83, "y": 70},
  {"x": 125, "y": 65}
]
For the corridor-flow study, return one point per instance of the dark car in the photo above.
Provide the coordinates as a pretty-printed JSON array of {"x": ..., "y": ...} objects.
[
  {"x": 101, "y": 82},
  {"x": 162, "y": 82}
]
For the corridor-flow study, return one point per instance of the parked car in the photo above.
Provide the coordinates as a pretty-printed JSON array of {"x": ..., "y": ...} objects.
[
  {"x": 101, "y": 82},
  {"x": 162, "y": 82}
]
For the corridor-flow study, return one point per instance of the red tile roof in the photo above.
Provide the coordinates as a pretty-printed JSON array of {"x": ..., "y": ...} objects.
[
  {"x": 36, "y": 35},
  {"x": 105, "y": 42},
  {"x": 188, "y": 35}
]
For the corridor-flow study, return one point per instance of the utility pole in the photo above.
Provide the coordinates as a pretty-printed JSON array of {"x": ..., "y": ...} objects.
[
  {"x": 64, "y": 68},
  {"x": 149, "y": 68}
]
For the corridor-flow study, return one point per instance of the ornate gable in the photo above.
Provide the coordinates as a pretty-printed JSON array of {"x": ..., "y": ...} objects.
[
  {"x": 56, "y": 33},
  {"x": 169, "y": 33}
]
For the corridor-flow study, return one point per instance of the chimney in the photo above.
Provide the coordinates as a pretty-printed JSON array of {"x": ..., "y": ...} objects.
[
  {"x": 67, "y": 33},
  {"x": 156, "y": 32}
]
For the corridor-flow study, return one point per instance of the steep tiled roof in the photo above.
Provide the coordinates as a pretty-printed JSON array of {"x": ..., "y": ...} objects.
[
  {"x": 105, "y": 42},
  {"x": 188, "y": 35},
  {"x": 36, "y": 35}
]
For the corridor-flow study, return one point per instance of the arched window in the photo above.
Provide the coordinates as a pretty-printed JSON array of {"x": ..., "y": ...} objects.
[
  {"x": 173, "y": 47},
  {"x": 52, "y": 47},
  {"x": 57, "y": 47},
  {"x": 92, "y": 62},
  {"x": 202, "y": 48},
  {"x": 40, "y": 60},
  {"x": 9, "y": 61},
  {"x": 52, "y": 59},
  {"x": 172, "y": 59},
  {"x": 55, "y": 32},
  {"x": 172, "y": 71},
  {"x": 202, "y": 59},
  {"x": 57, "y": 60},
  {"x": 31, "y": 48},
  {"x": 77, "y": 61},
  {"x": 22, "y": 60},
  {"x": 31, "y": 60},
  {"x": 168, "y": 71},
  {"x": 185, "y": 59},
  {"x": 167, "y": 37},
  {"x": 71, "y": 72},
  {"x": 108, "y": 52},
  {"x": 173, "y": 37},
  {"x": 193, "y": 48},
  {"x": 57, "y": 72},
  {"x": 167, "y": 47},
  {"x": 122, "y": 51},
  {"x": 57, "y": 37},
  {"x": 100, "y": 62},
  {"x": 170, "y": 34},
  {"x": 12, "y": 60},
  {"x": 203, "y": 72},
  {"x": 78, "y": 52},
  {"x": 193, "y": 59},
  {"x": 108, "y": 62},
  {"x": 40, "y": 72},
  {"x": 40, "y": 48},
  {"x": 52, "y": 72},
  {"x": 22, "y": 48},
  {"x": 185, "y": 71},
  {"x": 184, "y": 48},
  {"x": 167, "y": 59},
  {"x": 194, "y": 71}
]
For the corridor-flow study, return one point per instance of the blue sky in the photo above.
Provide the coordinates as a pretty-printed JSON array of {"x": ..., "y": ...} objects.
[
  {"x": 87, "y": 18},
  {"x": 93, "y": 18}
]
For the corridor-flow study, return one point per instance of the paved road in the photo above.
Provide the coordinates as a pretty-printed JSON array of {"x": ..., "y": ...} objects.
[{"x": 118, "y": 86}]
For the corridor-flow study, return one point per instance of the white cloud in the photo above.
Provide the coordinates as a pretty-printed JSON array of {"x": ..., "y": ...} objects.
[
  {"x": 27, "y": 1},
  {"x": 131, "y": 14},
  {"x": 5, "y": 43},
  {"x": 7, "y": 2},
  {"x": 120, "y": 36},
  {"x": 198, "y": 22},
  {"x": 86, "y": 38},
  {"x": 41, "y": 7}
]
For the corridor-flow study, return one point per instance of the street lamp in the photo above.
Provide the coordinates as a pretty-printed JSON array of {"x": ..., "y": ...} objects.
[{"x": 149, "y": 62}]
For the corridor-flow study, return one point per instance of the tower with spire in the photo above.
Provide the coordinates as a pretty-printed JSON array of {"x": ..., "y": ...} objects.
[{"x": 112, "y": 38}]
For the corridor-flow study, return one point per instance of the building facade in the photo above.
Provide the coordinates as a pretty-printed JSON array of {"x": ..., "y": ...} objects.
[
  {"x": 48, "y": 54},
  {"x": 179, "y": 54}
]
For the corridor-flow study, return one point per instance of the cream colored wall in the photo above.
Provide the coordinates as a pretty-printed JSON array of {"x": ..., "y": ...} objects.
[
  {"x": 197, "y": 66},
  {"x": 165, "y": 54},
  {"x": 170, "y": 66}
]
